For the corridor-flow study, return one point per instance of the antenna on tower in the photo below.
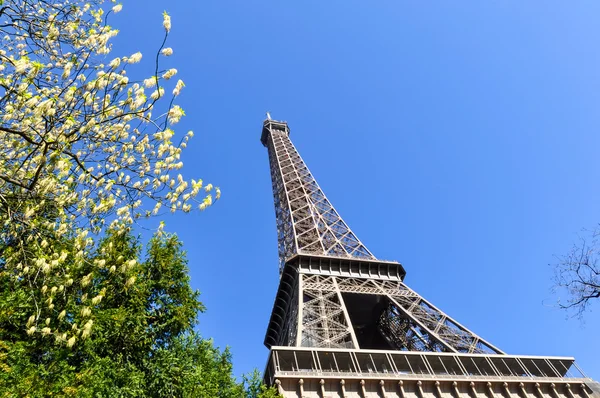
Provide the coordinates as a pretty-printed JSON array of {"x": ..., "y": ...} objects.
[{"x": 268, "y": 116}]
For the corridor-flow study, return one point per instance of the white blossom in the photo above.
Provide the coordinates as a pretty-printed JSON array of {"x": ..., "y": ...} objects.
[
  {"x": 150, "y": 82},
  {"x": 135, "y": 58},
  {"x": 178, "y": 87},
  {"x": 175, "y": 114},
  {"x": 157, "y": 93},
  {"x": 166, "y": 21},
  {"x": 114, "y": 64},
  {"x": 169, "y": 74},
  {"x": 21, "y": 65}
]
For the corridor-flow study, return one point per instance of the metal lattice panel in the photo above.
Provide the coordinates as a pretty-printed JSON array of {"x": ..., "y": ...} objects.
[
  {"x": 307, "y": 223},
  {"x": 408, "y": 322},
  {"x": 324, "y": 320}
]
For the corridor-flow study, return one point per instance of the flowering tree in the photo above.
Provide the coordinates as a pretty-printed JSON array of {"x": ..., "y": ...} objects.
[{"x": 83, "y": 151}]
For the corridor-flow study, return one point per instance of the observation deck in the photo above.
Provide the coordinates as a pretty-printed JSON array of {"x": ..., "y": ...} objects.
[{"x": 318, "y": 372}]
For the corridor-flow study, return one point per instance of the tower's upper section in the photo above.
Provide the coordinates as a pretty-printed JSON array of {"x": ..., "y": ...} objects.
[
  {"x": 307, "y": 223},
  {"x": 270, "y": 125}
]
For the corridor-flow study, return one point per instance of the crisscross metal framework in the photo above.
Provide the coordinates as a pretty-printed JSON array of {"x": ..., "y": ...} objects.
[{"x": 403, "y": 319}]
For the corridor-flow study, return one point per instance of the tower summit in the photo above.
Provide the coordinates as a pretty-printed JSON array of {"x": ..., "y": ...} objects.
[{"x": 345, "y": 325}]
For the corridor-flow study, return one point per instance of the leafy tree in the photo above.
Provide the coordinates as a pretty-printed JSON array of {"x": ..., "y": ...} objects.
[
  {"x": 577, "y": 274},
  {"x": 143, "y": 342},
  {"x": 82, "y": 149}
]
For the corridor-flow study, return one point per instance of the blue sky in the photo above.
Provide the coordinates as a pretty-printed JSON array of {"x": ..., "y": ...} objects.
[{"x": 459, "y": 138}]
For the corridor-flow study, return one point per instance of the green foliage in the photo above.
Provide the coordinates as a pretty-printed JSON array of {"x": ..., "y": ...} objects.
[
  {"x": 143, "y": 341},
  {"x": 255, "y": 387}
]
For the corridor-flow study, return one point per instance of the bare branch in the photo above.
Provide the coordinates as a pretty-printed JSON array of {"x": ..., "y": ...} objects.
[{"x": 577, "y": 274}]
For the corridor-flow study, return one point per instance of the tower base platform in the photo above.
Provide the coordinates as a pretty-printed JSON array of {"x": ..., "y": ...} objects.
[{"x": 345, "y": 373}]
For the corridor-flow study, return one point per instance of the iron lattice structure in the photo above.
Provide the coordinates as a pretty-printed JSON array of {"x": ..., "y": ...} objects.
[
  {"x": 307, "y": 223},
  {"x": 336, "y": 301}
]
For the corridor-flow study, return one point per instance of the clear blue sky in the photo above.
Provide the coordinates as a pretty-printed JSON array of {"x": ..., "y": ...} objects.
[{"x": 459, "y": 138}]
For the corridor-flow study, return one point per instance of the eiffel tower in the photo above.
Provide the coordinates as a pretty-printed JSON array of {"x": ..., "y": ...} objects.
[{"x": 344, "y": 325}]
